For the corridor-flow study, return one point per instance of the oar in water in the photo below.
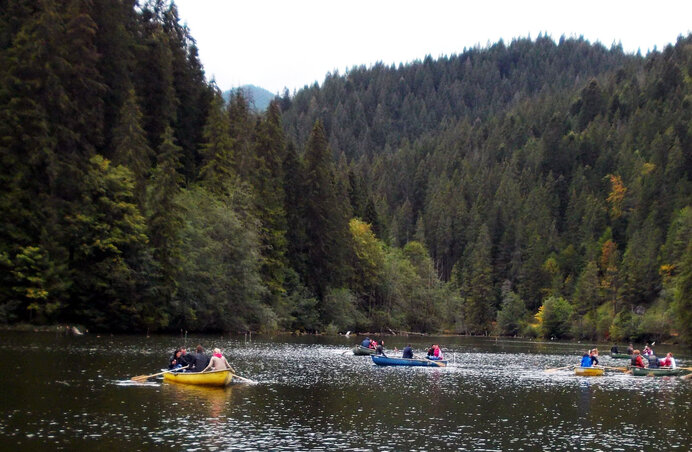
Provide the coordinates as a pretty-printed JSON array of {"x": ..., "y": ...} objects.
[
  {"x": 146, "y": 377},
  {"x": 555, "y": 369},
  {"x": 246, "y": 380},
  {"x": 438, "y": 364}
]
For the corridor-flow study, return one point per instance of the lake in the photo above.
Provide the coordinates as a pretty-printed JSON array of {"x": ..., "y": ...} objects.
[{"x": 312, "y": 393}]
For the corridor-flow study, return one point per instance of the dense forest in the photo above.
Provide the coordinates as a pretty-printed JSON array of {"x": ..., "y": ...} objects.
[{"x": 539, "y": 188}]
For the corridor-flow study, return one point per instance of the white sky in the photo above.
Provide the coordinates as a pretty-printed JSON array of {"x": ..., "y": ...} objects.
[{"x": 293, "y": 43}]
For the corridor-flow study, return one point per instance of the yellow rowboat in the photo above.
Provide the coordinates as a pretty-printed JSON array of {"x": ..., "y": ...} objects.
[
  {"x": 211, "y": 378},
  {"x": 589, "y": 371}
]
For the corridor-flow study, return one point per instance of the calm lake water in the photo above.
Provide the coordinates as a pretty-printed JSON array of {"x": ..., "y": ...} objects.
[{"x": 74, "y": 393}]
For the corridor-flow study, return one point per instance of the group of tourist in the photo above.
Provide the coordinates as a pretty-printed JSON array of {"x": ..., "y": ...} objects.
[
  {"x": 590, "y": 358},
  {"x": 434, "y": 352},
  {"x": 637, "y": 357},
  {"x": 372, "y": 344},
  {"x": 198, "y": 361}
]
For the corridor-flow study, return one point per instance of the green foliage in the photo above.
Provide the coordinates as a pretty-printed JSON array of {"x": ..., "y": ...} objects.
[
  {"x": 219, "y": 285},
  {"x": 560, "y": 169},
  {"x": 556, "y": 315},
  {"x": 512, "y": 314}
]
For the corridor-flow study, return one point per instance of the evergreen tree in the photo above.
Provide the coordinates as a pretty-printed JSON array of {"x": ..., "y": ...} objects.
[
  {"x": 478, "y": 291},
  {"x": 324, "y": 218},
  {"x": 217, "y": 149},
  {"x": 164, "y": 215},
  {"x": 131, "y": 148}
]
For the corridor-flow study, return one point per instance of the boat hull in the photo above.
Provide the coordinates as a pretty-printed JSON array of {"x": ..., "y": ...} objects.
[
  {"x": 359, "y": 350},
  {"x": 218, "y": 378},
  {"x": 387, "y": 361},
  {"x": 620, "y": 356},
  {"x": 660, "y": 372},
  {"x": 589, "y": 371}
]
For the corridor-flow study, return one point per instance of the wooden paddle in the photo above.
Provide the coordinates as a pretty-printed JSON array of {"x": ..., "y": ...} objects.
[
  {"x": 438, "y": 364},
  {"x": 555, "y": 369},
  {"x": 146, "y": 377},
  {"x": 243, "y": 379}
]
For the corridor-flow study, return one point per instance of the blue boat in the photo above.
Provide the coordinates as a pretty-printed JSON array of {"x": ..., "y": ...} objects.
[{"x": 387, "y": 361}]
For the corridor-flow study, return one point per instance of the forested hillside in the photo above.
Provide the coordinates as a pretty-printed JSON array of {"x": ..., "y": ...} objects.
[{"x": 535, "y": 188}]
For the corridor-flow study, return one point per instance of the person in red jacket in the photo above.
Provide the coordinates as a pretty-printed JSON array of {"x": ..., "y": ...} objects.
[{"x": 637, "y": 360}]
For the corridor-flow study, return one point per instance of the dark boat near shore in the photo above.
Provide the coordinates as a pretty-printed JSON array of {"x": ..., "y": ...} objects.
[{"x": 359, "y": 350}]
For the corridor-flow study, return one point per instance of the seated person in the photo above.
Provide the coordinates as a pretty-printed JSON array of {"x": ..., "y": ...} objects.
[
  {"x": 668, "y": 361},
  {"x": 637, "y": 360},
  {"x": 365, "y": 343},
  {"x": 174, "y": 360},
  {"x": 431, "y": 351},
  {"x": 614, "y": 349},
  {"x": 437, "y": 353},
  {"x": 653, "y": 361},
  {"x": 594, "y": 357},
  {"x": 586, "y": 360},
  {"x": 408, "y": 352}
]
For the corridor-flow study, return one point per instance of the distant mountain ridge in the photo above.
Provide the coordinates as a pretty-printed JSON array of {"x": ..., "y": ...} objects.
[{"x": 258, "y": 97}]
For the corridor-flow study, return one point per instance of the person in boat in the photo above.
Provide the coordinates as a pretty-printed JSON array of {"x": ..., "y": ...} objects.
[
  {"x": 647, "y": 350},
  {"x": 437, "y": 352},
  {"x": 365, "y": 343},
  {"x": 637, "y": 360},
  {"x": 186, "y": 359},
  {"x": 174, "y": 360},
  {"x": 614, "y": 349},
  {"x": 586, "y": 360},
  {"x": 408, "y": 352},
  {"x": 373, "y": 344},
  {"x": 380, "y": 349},
  {"x": 217, "y": 362},
  {"x": 594, "y": 357},
  {"x": 630, "y": 350},
  {"x": 668, "y": 361},
  {"x": 431, "y": 351},
  {"x": 201, "y": 359},
  {"x": 653, "y": 361}
]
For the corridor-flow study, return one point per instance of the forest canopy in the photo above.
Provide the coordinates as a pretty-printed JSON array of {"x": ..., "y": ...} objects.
[{"x": 535, "y": 188}]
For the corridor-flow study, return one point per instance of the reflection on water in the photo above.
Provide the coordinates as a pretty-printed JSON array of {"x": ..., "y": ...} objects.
[{"x": 312, "y": 393}]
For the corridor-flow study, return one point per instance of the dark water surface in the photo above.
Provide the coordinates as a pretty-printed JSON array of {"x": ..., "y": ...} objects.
[{"x": 74, "y": 393}]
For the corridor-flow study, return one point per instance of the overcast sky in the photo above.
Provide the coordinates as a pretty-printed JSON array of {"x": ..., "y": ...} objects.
[{"x": 293, "y": 43}]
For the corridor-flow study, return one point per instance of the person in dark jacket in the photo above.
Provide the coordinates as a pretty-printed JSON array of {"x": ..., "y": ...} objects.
[
  {"x": 186, "y": 359},
  {"x": 408, "y": 352},
  {"x": 653, "y": 361},
  {"x": 174, "y": 360},
  {"x": 380, "y": 349},
  {"x": 365, "y": 343},
  {"x": 201, "y": 359}
]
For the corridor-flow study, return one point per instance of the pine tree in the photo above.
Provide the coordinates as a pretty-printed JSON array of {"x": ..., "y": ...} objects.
[
  {"x": 268, "y": 182},
  {"x": 326, "y": 224},
  {"x": 478, "y": 284},
  {"x": 131, "y": 148},
  {"x": 164, "y": 215},
  {"x": 217, "y": 171}
]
